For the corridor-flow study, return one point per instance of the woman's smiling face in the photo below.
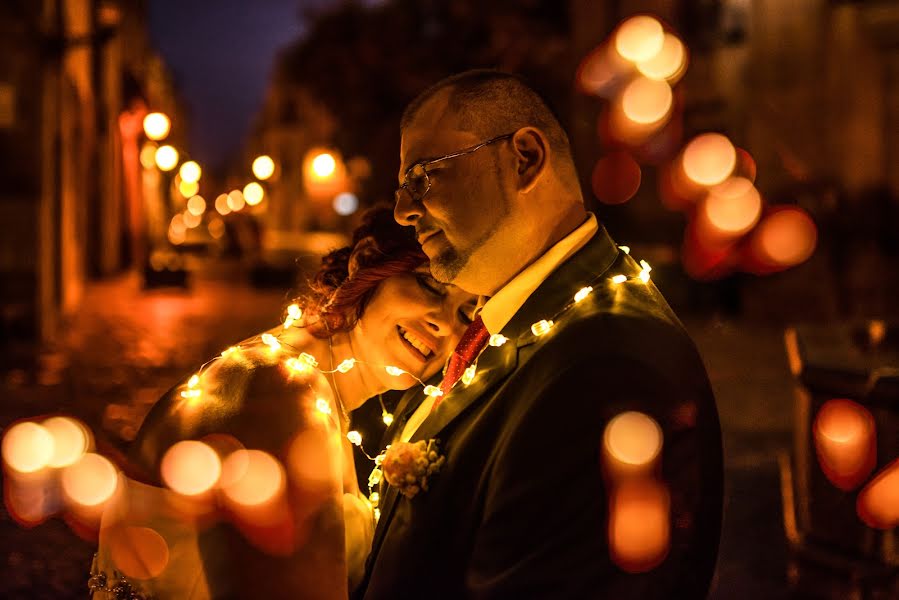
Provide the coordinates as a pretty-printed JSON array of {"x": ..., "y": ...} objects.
[{"x": 412, "y": 322}]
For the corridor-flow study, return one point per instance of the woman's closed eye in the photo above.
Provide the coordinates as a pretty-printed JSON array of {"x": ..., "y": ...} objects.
[{"x": 431, "y": 285}]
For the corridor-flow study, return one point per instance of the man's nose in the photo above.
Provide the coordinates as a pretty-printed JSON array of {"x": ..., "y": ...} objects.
[{"x": 407, "y": 211}]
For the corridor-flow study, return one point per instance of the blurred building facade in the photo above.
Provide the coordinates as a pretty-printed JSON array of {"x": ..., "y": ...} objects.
[{"x": 71, "y": 74}]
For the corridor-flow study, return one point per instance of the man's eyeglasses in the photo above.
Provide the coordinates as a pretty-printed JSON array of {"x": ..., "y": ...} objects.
[{"x": 417, "y": 183}]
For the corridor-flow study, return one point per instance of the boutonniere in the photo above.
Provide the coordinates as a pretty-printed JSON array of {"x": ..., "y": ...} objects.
[{"x": 408, "y": 465}]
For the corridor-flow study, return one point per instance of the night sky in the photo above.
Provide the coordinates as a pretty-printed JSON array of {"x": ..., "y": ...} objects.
[{"x": 221, "y": 53}]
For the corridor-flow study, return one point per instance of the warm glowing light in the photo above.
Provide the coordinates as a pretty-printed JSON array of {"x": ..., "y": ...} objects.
[
  {"x": 251, "y": 477},
  {"x": 177, "y": 232},
  {"x": 787, "y": 237},
  {"x": 90, "y": 481},
  {"x": 433, "y": 391},
  {"x": 633, "y": 438},
  {"x": 878, "y": 502},
  {"x": 616, "y": 178},
  {"x": 469, "y": 373},
  {"x": 166, "y": 158},
  {"x": 138, "y": 552},
  {"x": 497, "y": 339},
  {"x": 354, "y": 437},
  {"x": 346, "y": 366},
  {"x": 70, "y": 440},
  {"x": 845, "y": 442},
  {"x": 196, "y": 205},
  {"x": 541, "y": 327},
  {"x": 644, "y": 272},
  {"x": 387, "y": 418},
  {"x": 190, "y": 172},
  {"x": 669, "y": 63},
  {"x": 395, "y": 371},
  {"x": 27, "y": 447},
  {"x": 191, "y": 220},
  {"x": 263, "y": 167},
  {"x": 253, "y": 193},
  {"x": 271, "y": 341},
  {"x": 222, "y": 205},
  {"x": 619, "y": 278},
  {"x": 602, "y": 70},
  {"x": 733, "y": 207},
  {"x": 625, "y": 249},
  {"x": 148, "y": 155},
  {"x": 583, "y": 293},
  {"x": 639, "y": 38},
  {"x": 190, "y": 468},
  {"x": 322, "y": 406},
  {"x": 709, "y": 159},
  {"x": 156, "y": 126},
  {"x": 324, "y": 165},
  {"x": 236, "y": 201},
  {"x": 639, "y": 525},
  {"x": 294, "y": 314},
  {"x": 346, "y": 203},
  {"x": 188, "y": 189},
  {"x": 229, "y": 351},
  {"x": 646, "y": 101}
]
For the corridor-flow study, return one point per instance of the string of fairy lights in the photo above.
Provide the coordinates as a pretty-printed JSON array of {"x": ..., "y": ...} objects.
[{"x": 305, "y": 363}]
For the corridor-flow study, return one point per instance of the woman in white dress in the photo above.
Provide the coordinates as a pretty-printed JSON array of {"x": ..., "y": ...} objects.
[{"x": 283, "y": 515}]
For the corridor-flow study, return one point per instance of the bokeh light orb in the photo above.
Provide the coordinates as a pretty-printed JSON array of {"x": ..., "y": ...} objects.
[
  {"x": 191, "y": 220},
  {"x": 345, "y": 203},
  {"x": 90, "y": 481},
  {"x": 27, "y": 447},
  {"x": 166, "y": 158},
  {"x": 188, "y": 188},
  {"x": 236, "y": 201},
  {"x": 616, "y": 178},
  {"x": 263, "y": 167},
  {"x": 845, "y": 442},
  {"x": 196, "y": 205},
  {"x": 324, "y": 165},
  {"x": 190, "y": 172},
  {"x": 646, "y": 101},
  {"x": 633, "y": 438},
  {"x": 709, "y": 159},
  {"x": 138, "y": 552},
  {"x": 156, "y": 126},
  {"x": 70, "y": 440},
  {"x": 221, "y": 204},
  {"x": 639, "y": 525},
  {"x": 787, "y": 237},
  {"x": 669, "y": 63},
  {"x": 251, "y": 477},
  {"x": 639, "y": 38},
  {"x": 148, "y": 155},
  {"x": 253, "y": 193},
  {"x": 733, "y": 207},
  {"x": 190, "y": 468},
  {"x": 878, "y": 502}
]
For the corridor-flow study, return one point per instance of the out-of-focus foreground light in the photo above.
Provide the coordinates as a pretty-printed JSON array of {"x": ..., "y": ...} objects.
[
  {"x": 878, "y": 502},
  {"x": 138, "y": 552},
  {"x": 323, "y": 165},
  {"x": 845, "y": 441},
  {"x": 251, "y": 477},
  {"x": 27, "y": 447},
  {"x": 156, "y": 126},
  {"x": 70, "y": 440},
  {"x": 236, "y": 201},
  {"x": 785, "y": 238},
  {"x": 190, "y": 468},
  {"x": 346, "y": 203},
  {"x": 190, "y": 172},
  {"x": 177, "y": 232},
  {"x": 669, "y": 63},
  {"x": 646, "y": 101},
  {"x": 639, "y": 525},
  {"x": 221, "y": 204},
  {"x": 633, "y": 438},
  {"x": 616, "y": 178},
  {"x": 148, "y": 155},
  {"x": 188, "y": 188},
  {"x": 253, "y": 193},
  {"x": 166, "y": 157},
  {"x": 263, "y": 167},
  {"x": 709, "y": 159},
  {"x": 733, "y": 207},
  {"x": 196, "y": 205},
  {"x": 90, "y": 481},
  {"x": 191, "y": 220},
  {"x": 639, "y": 38}
]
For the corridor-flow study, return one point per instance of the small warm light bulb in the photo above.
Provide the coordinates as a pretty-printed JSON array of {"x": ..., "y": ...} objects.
[
  {"x": 468, "y": 375},
  {"x": 190, "y": 393},
  {"x": 308, "y": 360},
  {"x": 193, "y": 381},
  {"x": 270, "y": 341},
  {"x": 497, "y": 339},
  {"x": 323, "y": 407},
  {"x": 619, "y": 278},
  {"x": 230, "y": 351},
  {"x": 387, "y": 418},
  {"x": 355, "y": 438},
  {"x": 294, "y": 311},
  {"x": 541, "y": 327},
  {"x": 395, "y": 371},
  {"x": 432, "y": 390},
  {"x": 583, "y": 293},
  {"x": 377, "y": 513},
  {"x": 644, "y": 274},
  {"x": 346, "y": 365},
  {"x": 374, "y": 478},
  {"x": 625, "y": 249},
  {"x": 374, "y": 498}
]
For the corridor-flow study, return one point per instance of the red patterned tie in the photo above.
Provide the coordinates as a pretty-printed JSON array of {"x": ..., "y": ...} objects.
[{"x": 470, "y": 345}]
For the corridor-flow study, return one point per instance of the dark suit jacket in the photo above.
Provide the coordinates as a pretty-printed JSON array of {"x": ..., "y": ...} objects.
[{"x": 520, "y": 508}]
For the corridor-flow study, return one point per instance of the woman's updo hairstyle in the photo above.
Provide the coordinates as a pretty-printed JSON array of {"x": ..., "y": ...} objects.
[{"x": 348, "y": 277}]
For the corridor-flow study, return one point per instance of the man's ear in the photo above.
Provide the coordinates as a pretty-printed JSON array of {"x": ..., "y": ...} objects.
[{"x": 532, "y": 156}]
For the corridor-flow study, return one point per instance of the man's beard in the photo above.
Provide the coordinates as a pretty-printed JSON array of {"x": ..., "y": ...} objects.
[{"x": 446, "y": 266}]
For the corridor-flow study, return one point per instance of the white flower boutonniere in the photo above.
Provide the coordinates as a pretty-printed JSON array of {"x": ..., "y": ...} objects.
[{"x": 409, "y": 465}]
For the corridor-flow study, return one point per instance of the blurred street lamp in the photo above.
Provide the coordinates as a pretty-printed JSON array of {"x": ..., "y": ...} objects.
[
  {"x": 166, "y": 157},
  {"x": 156, "y": 126},
  {"x": 324, "y": 173},
  {"x": 190, "y": 172},
  {"x": 263, "y": 167},
  {"x": 323, "y": 165}
]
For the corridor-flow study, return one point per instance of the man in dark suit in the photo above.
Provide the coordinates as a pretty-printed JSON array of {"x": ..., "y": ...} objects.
[{"x": 528, "y": 501}]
